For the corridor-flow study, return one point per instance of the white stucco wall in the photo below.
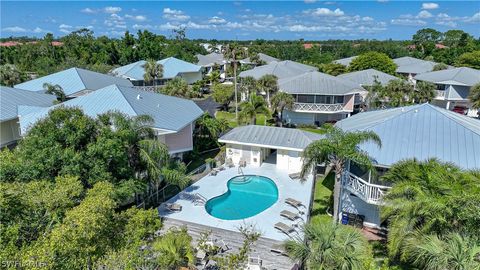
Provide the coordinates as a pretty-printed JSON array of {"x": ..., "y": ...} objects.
[
  {"x": 290, "y": 161},
  {"x": 181, "y": 141},
  {"x": 355, "y": 205},
  {"x": 9, "y": 132}
]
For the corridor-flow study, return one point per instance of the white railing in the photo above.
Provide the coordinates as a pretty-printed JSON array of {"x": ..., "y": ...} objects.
[
  {"x": 368, "y": 192},
  {"x": 318, "y": 107},
  {"x": 440, "y": 94}
]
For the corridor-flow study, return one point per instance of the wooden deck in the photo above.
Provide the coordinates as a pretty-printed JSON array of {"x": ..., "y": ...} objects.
[{"x": 261, "y": 248}]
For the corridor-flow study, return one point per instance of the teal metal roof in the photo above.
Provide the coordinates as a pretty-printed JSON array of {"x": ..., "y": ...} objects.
[
  {"x": 345, "y": 61},
  {"x": 282, "y": 69},
  {"x": 457, "y": 76},
  {"x": 172, "y": 67},
  {"x": 74, "y": 81},
  {"x": 12, "y": 98},
  {"x": 367, "y": 77},
  {"x": 318, "y": 83},
  {"x": 169, "y": 113},
  {"x": 420, "y": 131}
]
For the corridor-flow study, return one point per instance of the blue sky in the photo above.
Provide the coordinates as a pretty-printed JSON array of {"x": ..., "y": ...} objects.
[{"x": 309, "y": 19}]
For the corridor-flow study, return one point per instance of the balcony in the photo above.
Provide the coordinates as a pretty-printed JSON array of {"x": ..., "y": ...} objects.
[
  {"x": 318, "y": 107},
  {"x": 440, "y": 94},
  {"x": 368, "y": 192}
]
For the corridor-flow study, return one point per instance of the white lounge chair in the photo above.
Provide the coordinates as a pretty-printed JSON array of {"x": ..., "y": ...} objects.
[
  {"x": 294, "y": 202},
  {"x": 294, "y": 176},
  {"x": 278, "y": 249},
  {"x": 173, "y": 207},
  {"x": 290, "y": 215},
  {"x": 254, "y": 263}
]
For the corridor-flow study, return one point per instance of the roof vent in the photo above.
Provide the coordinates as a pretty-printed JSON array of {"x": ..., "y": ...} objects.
[
  {"x": 139, "y": 97},
  {"x": 158, "y": 105},
  {"x": 416, "y": 110}
]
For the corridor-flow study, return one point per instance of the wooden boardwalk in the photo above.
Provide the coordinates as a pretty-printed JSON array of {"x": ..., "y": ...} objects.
[{"x": 261, "y": 248}]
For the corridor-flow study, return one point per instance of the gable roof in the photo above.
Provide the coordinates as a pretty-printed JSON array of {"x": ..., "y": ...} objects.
[
  {"x": 11, "y": 98},
  {"x": 210, "y": 59},
  {"x": 263, "y": 57},
  {"x": 420, "y": 131},
  {"x": 172, "y": 67},
  {"x": 368, "y": 76},
  {"x": 208, "y": 105},
  {"x": 345, "y": 61},
  {"x": 74, "y": 81},
  {"x": 273, "y": 137},
  {"x": 169, "y": 113},
  {"x": 318, "y": 83},
  {"x": 282, "y": 69},
  {"x": 457, "y": 76},
  {"x": 413, "y": 65}
]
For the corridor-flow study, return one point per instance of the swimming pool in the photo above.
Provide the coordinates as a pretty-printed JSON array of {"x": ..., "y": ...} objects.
[{"x": 247, "y": 196}]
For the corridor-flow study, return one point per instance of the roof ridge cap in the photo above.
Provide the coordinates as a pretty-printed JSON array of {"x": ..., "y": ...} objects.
[
  {"x": 412, "y": 107},
  {"x": 81, "y": 79},
  {"x": 126, "y": 99}
]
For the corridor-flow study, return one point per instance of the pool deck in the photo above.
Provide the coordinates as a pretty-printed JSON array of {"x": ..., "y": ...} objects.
[{"x": 212, "y": 186}]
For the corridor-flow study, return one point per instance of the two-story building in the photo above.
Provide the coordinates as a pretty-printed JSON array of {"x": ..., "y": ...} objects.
[
  {"x": 418, "y": 132},
  {"x": 319, "y": 98},
  {"x": 173, "y": 118},
  {"x": 453, "y": 88},
  {"x": 213, "y": 61}
]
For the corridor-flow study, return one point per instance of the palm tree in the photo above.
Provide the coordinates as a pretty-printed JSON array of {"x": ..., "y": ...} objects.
[
  {"x": 249, "y": 109},
  {"x": 174, "y": 250},
  {"x": 424, "y": 92},
  {"x": 10, "y": 75},
  {"x": 474, "y": 96},
  {"x": 176, "y": 87},
  {"x": 281, "y": 101},
  {"x": 337, "y": 148},
  {"x": 428, "y": 197},
  {"x": 153, "y": 71},
  {"x": 231, "y": 55},
  {"x": 248, "y": 85},
  {"x": 268, "y": 84},
  {"x": 330, "y": 246},
  {"x": 431, "y": 252},
  {"x": 55, "y": 90}
]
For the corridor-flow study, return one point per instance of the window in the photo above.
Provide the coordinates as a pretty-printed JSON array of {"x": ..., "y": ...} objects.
[
  {"x": 306, "y": 98},
  {"x": 320, "y": 99},
  {"x": 338, "y": 99},
  {"x": 441, "y": 87},
  {"x": 328, "y": 100}
]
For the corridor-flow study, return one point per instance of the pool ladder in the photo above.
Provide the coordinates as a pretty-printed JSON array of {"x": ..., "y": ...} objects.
[
  {"x": 240, "y": 170},
  {"x": 199, "y": 199}
]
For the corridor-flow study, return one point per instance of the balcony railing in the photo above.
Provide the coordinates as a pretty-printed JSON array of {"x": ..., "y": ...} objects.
[
  {"x": 440, "y": 94},
  {"x": 368, "y": 192},
  {"x": 318, "y": 107}
]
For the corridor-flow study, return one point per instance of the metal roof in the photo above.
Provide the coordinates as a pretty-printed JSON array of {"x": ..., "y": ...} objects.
[
  {"x": 457, "y": 76},
  {"x": 208, "y": 105},
  {"x": 272, "y": 137},
  {"x": 210, "y": 59},
  {"x": 74, "y": 80},
  {"x": 368, "y": 76},
  {"x": 172, "y": 67},
  {"x": 318, "y": 83},
  {"x": 169, "y": 113},
  {"x": 412, "y": 65},
  {"x": 11, "y": 98},
  {"x": 263, "y": 57},
  {"x": 420, "y": 131},
  {"x": 282, "y": 69},
  {"x": 345, "y": 61}
]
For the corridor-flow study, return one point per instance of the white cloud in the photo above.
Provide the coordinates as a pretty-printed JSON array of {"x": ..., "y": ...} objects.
[
  {"x": 112, "y": 9},
  {"x": 138, "y": 18},
  {"x": 474, "y": 18},
  {"x": 217, "y": 20},
  {"x": 174, "y": 15},
  {"x": 142, "y": 26},
  {"x": 408, "y": 22},
  {"x": 65, "y": 26},
  {"x": 309, "y": 1},
  {"x": 451, "y": 24},
  {"x": 430, "y": 6},
  {"x": 115, "y": 21},
  {"x": 88, "y": 10},
  {"x": 325, "y": 12},
  {"x": 424, "y": 15},
  {"x": 14, "y": 29}
]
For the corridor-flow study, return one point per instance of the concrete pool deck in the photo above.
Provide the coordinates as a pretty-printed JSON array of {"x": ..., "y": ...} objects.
[{"x": 212, "y": 186}]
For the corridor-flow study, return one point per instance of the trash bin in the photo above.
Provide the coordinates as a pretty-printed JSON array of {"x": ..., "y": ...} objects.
[{"x": 345, "y": 218}]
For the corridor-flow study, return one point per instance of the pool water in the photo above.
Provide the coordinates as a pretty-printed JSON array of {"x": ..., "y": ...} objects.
[{"x": 247, "y": 196}]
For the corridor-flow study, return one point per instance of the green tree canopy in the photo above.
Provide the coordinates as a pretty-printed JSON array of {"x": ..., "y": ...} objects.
[
  {"x": 474, "y": 95},
  {"x": 469, "y": 59},
  {"x": 223, "y": 94},
  {"x": 375, "y": 60}
]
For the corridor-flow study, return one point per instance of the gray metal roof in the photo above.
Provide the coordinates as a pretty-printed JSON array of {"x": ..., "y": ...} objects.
[
  {"x": 263, "y": 57},
  {"x": 210, "y": 59},
  {"x": 318, "y": 83},
  {"x": 282, "y": 69},
  {"x": 73, "y": 81},
  {"x": 273, "y": 137},
  {"x": 11, "y": 98},
  {"x": 367, "y": 77},
  {"x": 420, "y": 131},
  {"x": 456, "y": 76},
  {"x": 169, "y": 113},
  {"x": 412, "y": 65},
  {"x": 345, "y": 61}
]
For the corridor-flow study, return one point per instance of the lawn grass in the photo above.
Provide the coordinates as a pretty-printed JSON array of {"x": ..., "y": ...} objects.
[
  {"x": 230, "y": 117},
  {"x": 314, "y": 130},
  {"x": 321, "y": 198}
]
